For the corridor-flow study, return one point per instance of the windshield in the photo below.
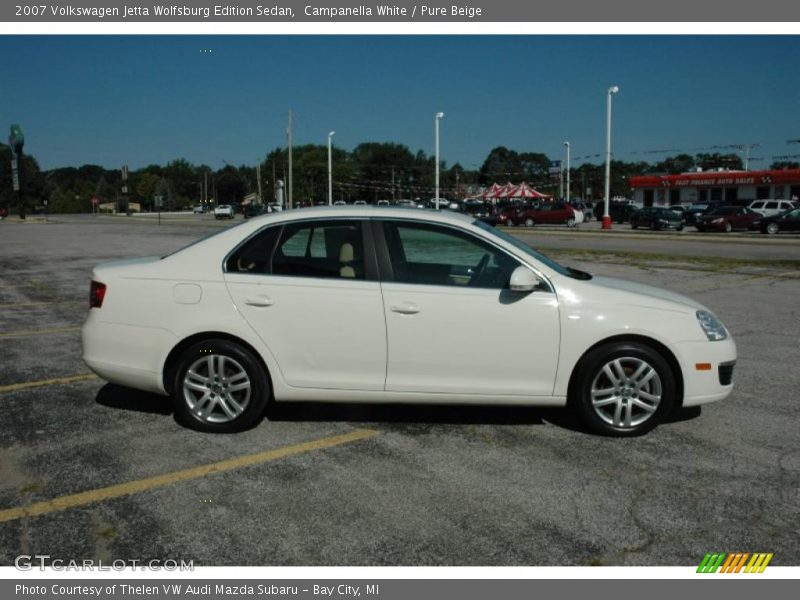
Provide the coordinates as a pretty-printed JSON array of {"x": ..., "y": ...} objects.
[{"x": 562, "y": 270}]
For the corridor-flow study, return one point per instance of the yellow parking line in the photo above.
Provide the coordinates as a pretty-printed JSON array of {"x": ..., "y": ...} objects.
[
  {"x": 149, "y": 483},
  {"x": 15, "y": 387},
  {"x": 38, "y": 332}
]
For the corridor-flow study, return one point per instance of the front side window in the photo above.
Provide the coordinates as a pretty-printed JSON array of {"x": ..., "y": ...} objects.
[{"x": 427, "y": 254}]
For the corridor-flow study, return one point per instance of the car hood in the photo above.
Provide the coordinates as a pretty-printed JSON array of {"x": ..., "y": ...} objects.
[{"x": 639, "y": 294}]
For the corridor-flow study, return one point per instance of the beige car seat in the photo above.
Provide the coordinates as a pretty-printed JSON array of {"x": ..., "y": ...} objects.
[{"x": 346, "y": 257}]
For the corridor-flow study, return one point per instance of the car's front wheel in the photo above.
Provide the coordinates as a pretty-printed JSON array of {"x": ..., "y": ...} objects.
[
  {"x": 220, "y": 387},
  {"x": 772, "y": 228},
  {"x": 728, "y": 227},
  {"x": 529, "y": 223},
  {"x": 623, "y": 389}
]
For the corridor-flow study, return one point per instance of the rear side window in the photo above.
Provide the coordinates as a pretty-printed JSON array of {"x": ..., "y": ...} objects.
[
  {"x": 328, "y": 249},
  {"x": 255, "y": 255},
  {"x": 772, "y": 205}
]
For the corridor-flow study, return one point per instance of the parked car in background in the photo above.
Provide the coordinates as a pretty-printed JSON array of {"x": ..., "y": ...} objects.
[
  {"x": 620, "y": 212},
  {"x": 338, "y": 304},
  {"x": 553, "y": 213},
  {"x": 198, "y": 209},
  {"x": 787, "y": 221},
  {"x": 729, "y": 218},
  {"x": 504, "y": 215},
  {"x": 255, "y": 210},
  {"x": 770, "y": 208},
  {"x": 656, "y": 218},
  {"x": 585, "y": 207},
  {"x": 477, "y": 208},
  {"x": 223, "y": 211},
  {"x": 360, "y": 203}
]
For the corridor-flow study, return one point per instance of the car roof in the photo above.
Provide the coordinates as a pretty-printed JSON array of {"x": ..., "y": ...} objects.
[{"x": 362, "y": 212}]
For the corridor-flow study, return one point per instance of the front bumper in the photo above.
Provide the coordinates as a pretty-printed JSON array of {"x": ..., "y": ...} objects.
[{"x": 701, "y": 386}]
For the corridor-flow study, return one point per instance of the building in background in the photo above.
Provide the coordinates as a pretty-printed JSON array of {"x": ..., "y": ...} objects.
[{"x": 715, "y": 186}]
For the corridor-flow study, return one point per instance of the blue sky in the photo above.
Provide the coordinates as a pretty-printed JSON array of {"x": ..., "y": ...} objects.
[{"x": 139, "y": 100}]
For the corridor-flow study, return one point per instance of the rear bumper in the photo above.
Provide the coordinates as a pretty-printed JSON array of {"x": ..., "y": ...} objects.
[
  {"x": 701, "y": 386},
  {"x": 125, "y": 354}
]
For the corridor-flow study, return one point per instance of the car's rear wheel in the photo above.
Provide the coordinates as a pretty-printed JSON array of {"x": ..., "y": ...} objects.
[
  {"x": 219, "y": 386},
  {"x": 571, "y": 222},
  {"x": 772, "y": 228},
  {"x": 529, "y": 223},
  {"x": 728, "y": 227},
  {"x": 634, "y": 224},
  {"x": 623, "y": 389}
]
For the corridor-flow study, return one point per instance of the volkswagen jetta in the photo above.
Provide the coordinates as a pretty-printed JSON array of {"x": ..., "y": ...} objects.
[{"x": 356, "y": 304}]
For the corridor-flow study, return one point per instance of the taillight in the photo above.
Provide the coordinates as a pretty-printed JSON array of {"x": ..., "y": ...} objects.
[{"x": 96, "y": 294}]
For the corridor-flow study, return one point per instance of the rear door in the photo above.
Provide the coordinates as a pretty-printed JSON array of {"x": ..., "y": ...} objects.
[{"x": 310, "y": 290}]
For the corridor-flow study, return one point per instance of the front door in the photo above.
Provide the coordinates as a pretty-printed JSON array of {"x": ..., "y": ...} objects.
[{"x": 452, "y": 324}]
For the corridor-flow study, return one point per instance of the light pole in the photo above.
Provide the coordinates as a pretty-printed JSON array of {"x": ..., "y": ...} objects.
[
  {"x": 330, "y": 169},
  {"x": 436, "y": 120},
  {"x": 567, "y": 145},
  {"x": 606, "y": 217}
]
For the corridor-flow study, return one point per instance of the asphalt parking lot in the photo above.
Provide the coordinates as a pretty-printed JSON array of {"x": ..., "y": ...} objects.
[{"x": 93, "y": 470}]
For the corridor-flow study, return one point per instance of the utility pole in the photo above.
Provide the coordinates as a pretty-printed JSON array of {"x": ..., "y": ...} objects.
[
  {"x": 746, "y": 149},
  {"x": 258, "y": 179},
  {"x": 274, "y": 190},
  {"x": 289, "y": 135}
]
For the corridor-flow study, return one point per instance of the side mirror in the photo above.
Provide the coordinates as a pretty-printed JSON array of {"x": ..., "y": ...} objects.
[{"x": 523, "y": 280}]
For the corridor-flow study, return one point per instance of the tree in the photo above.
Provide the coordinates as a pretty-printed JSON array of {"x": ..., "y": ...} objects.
[{"x": 785, "y": 164}]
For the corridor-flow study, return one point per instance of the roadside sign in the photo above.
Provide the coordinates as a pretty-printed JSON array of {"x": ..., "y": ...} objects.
[{"x": 555, "y": 167}]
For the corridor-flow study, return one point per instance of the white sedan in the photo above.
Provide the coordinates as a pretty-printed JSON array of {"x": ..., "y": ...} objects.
[{"x": 360, "y": 304}]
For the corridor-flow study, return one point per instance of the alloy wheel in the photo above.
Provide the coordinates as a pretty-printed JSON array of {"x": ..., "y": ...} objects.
[
  {"x": 626, "y": 392},
  {"x": 216, "y": 388}
]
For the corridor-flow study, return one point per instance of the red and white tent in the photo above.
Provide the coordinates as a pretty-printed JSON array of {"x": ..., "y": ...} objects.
[{"x": 524, "y": 191}]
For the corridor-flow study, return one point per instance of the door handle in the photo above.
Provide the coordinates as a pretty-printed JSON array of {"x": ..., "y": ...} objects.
[
  {"x": 258, "y": 301},
  {"x": 406, "y": 308}
]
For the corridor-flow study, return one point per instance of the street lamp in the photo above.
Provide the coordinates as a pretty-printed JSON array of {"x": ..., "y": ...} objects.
[
  {"x": 606, "y": 217},
  {"x": 436, "y": 120},
  {"x": 567, "y": 145},
  {"x": 330, "y": 169}
]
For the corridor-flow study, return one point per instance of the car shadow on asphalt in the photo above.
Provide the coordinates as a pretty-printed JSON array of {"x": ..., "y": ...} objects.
[{"x": 123, "y": 398}]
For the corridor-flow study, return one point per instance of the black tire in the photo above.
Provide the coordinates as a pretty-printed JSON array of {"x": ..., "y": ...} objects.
[
  {"x": 237, "y": 359},
  {"x": 530, "y": 223},
  {"x": 679, "y": 228},
  {"x": 771, "y": 228},
  {"x": 590, "y": 371},
  {"x": 653, "y": 226},
  {"x": 634, "y": 224}
]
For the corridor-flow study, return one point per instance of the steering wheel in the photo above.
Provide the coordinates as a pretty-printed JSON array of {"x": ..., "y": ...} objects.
[{"x": 480, "y": 268}]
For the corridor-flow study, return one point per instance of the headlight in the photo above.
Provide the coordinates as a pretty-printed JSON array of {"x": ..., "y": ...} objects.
[
  {"x": 712, "y": 327},
  {"x": 717, "y": 221}
]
